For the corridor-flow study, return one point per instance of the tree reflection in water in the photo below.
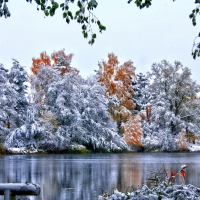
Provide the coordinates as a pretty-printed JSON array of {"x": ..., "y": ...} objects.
[{"x": 84, "y": 177}]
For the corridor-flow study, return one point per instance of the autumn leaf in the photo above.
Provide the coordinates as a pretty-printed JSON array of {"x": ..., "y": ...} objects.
[
  {"x": 172, "y": 175},
  {"x": 105, "y": 195},
  {"x": 183, "y": 174}
]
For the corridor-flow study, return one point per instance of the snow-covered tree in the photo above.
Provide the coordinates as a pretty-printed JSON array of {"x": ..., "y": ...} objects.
[
  {"x": 8, "y": 104},
  {"x": 65, "y": 110},
  {"x": 82, "y": 113},
  {"x": 141, "y": 96},
  {"x": 18, "y": 78},
  {"x": 174, "y": 104},
  {"x": 31, "y": 137}
]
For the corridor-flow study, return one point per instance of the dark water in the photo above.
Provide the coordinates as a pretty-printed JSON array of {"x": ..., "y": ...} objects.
[{"x": 84, "y": 177}]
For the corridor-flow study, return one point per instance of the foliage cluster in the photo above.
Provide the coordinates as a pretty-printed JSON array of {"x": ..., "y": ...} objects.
[
  {"x": 163, "y": 187},
  {"x": 109, "y": 111},
  {"x": 85, "y": 16}
]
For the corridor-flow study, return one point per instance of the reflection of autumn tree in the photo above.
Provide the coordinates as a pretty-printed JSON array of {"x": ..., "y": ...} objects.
[
  {"x": 132, "y": 174},
  {"x": 117, "y": 79}
]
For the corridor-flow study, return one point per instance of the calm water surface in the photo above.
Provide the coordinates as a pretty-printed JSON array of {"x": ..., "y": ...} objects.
[{"x": 84, "y": 177}]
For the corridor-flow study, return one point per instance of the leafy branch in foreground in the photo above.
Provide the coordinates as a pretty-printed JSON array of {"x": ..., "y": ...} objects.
[
  {"x": 192, "y": 16},
  {"x": 166, "y": 176},
  {"x": 86, "y": 18},
  {"x": 196, "y": 48},
  {"x": 84, "y": 14}
]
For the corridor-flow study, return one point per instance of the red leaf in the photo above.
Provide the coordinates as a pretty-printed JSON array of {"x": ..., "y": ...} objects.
[
  {"x": 172, "y": 175},
  {"x": 183, "y": 174},
  {"x": 105, "y": 195}
]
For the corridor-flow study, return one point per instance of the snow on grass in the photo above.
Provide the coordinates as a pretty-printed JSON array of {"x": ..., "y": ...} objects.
[{"x": 163, "y": 191}]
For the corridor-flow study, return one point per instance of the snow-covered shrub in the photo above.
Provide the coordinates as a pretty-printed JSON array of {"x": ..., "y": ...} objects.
[{"x": 33, "y": 137}]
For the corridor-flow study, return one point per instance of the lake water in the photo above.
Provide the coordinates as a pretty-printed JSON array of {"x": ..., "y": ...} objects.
[{"x": 84, "y": 177}]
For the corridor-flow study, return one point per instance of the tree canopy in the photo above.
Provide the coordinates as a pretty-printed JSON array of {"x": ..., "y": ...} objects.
[
  {"x": 114, "y": 110},
  {"x": 85, "y": 16},
  {"x": 174, "y": 104}
]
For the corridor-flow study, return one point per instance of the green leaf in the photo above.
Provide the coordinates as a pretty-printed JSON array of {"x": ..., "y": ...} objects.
[
  {"x": 194, "y": 21},
  {"x": 64, "y": 15},
  {"x": 85, "y": 34},
  {"x": 55, "y": 5},
  {"x": 92, "y": 41},
  {"x": 77, "y": 13},
  {"x": 43, "y": 1},
  {"x": 52, "y": 12},
  {"x": 84, "y": 27},
  {"x": 70, "y": 14},
  {"x": 37, "y": 1},
  {"x": 62, "y": 5},
  {"x": 92, "y": 20},
  {"x": 92, "y": 4},
  {"x": 94, "y": 35},
  {"x": 102, "y": 28},
  {"x": 46, "y": 13},
  {"x": 42, "y": 7},
  {"x": 79, "y": 4},
  {"x": 79, "y": 20},
  {"x": 86, "y": 19},
  {"x": 191, "y": 15},
  {"x": 67, "y": 20}
]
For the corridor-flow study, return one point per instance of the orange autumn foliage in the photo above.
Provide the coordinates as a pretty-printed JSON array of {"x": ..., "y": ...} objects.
[
  {"x": 37, "y": 63},
  {"x": 55, "y": 57},
  {"x": 132, "y": 131},
  {"x": 117, "y": 79},
  {"x": 40, "y": 79},
  {"x": 120, "y": 114},
  {"x": 53, "y": 62}
]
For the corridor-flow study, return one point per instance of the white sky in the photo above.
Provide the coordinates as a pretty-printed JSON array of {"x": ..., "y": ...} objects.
[{"x": 163, "y": 31}]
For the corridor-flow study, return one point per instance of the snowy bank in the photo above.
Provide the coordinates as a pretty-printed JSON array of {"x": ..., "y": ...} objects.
[
  {"x": 194, "y": 147},
  {"x": 163, "y": 191}
]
